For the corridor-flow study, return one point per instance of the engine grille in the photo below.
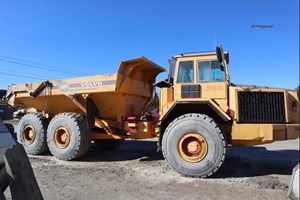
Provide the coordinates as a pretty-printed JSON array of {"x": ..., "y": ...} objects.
[{"x": 261, "y": 107}]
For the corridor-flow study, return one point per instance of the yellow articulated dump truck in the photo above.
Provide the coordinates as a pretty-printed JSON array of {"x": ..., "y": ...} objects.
[{"x": 201, "y": 112}]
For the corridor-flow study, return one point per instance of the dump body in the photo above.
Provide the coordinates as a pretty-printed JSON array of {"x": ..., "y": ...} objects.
[
  {"x": 116, "y": 96},
  {"x": 112, "y": 104}
]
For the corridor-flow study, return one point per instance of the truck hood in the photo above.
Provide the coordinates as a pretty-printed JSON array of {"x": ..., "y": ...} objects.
[{"x": 249, "y": 87}]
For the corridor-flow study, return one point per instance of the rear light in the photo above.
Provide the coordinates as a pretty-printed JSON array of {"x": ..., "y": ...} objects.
[{"x": 294, "y": 106}]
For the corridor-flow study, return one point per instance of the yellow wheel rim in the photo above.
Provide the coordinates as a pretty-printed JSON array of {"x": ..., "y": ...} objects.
[
  {"x": 62, "y": 137},
  {"x": 28, "y": 134},
  {"x": 192, "y": 147}
]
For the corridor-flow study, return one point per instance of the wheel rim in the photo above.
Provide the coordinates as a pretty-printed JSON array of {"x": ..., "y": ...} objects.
[
  {"x": 192, "y": 147},
  {"x": 28, "y": 134},
  {"x": 62, "y": 137}
]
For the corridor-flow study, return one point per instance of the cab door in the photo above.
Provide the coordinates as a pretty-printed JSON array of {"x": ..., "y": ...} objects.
[
  {"x": 212, "y": 79},
  {"x": 198, "y": 79}
]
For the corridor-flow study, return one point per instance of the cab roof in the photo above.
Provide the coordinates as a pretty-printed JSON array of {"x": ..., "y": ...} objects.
[{"x": 200, "y": 53}]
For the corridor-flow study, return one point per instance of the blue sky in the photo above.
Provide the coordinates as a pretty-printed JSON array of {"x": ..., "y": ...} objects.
[{"x": 92, "y": 37}]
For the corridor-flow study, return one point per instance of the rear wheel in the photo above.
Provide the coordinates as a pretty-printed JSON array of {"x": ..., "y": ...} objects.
[
  {"x": 194, "y": 145},
  {"x": 68, "y": 136},
  {"x": 108, "y": 144},
  {"x": 31, "y": 133}
]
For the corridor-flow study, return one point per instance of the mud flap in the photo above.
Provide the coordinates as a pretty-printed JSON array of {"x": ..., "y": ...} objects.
[{"x": 92, "y": 112}]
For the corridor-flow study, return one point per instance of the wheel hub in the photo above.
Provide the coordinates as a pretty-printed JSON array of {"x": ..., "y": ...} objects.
[
  {"x": 28, "y": 134},
  {"x": 192, "y": 147},
  {"x": 62, "y": 137}
]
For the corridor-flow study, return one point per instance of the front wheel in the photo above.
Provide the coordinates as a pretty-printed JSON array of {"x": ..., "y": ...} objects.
[{"x": 194, "y": 145}]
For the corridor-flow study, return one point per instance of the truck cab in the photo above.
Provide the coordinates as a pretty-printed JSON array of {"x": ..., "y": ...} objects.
[{"x": 197, "y": 82}]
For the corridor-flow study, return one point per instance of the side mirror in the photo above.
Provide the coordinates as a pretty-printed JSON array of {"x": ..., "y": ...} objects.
[{"x": 219, "y": 54}]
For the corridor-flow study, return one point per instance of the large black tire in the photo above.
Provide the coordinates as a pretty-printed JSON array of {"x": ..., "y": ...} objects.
[
  {"x": 194, "y": 145},
  {"x": 108, "y": 144},
  {"x": 68, "y": 136},
  {"x": 31, "y": 133}
]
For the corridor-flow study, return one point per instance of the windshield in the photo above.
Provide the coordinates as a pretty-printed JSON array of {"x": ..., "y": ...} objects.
[{"x": 209, "y": 71}]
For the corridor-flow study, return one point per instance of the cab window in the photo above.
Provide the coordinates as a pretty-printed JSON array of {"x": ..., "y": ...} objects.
[
  {"x": 209, "y": 71},
  {"x": 185, "y": 72}
]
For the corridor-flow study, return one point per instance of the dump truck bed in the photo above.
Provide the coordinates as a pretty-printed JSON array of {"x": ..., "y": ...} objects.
[{"x": 115, "y": 95}]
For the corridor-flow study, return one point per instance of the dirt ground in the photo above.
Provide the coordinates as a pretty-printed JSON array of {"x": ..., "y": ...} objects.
[{"x": 137, "y": 171}]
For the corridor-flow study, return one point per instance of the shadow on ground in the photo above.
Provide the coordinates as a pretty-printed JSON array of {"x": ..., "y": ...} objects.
[
  {"x": 257, "y": 161},
  {"x": 130, "y": 150},
  {"x": 240, "y": 161}
]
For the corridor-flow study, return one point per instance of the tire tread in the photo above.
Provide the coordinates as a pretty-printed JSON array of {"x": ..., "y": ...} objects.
[
  {"x": 83, "y": 137},
  {"x": 42, "y": 146},
  {"x": 203, "y": 117}
]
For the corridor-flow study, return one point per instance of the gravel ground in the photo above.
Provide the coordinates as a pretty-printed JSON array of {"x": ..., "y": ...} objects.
[{"x": 137, "y": 171}]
